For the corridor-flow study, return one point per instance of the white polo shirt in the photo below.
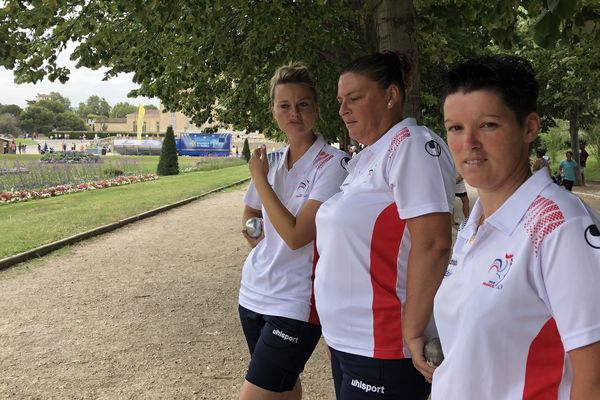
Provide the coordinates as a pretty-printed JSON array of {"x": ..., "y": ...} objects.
[
  {"x": 360, "y": 279},
  {"x": 277, "y": 280},
  {"x": 517, "y": 296}
]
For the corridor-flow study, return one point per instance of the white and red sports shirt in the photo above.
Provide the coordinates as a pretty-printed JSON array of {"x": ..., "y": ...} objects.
[
  {"x": 519, "y": 292},
  {"x": 363, "y": 242},
  {"x": 277, "y": 280}
]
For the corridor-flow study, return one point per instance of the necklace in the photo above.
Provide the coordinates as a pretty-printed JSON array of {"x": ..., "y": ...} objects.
[{"x": 481, "y": 222}]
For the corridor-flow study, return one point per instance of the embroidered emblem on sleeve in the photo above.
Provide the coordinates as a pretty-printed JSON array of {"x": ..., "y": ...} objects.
[
  {"x": 398, "y": 138},
  {"x": 542, "y": 217},
  {"x": 322, "y": 159}
]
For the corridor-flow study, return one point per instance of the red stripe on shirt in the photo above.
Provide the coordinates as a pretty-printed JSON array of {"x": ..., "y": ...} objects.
[
  {"x": 313, "y": 317},
  {"x": 387, "y": 320},
  {"x": 545, "y": 361}
]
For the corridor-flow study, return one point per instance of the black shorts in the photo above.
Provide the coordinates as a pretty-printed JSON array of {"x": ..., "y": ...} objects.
[
  {"x": 279, "y": 346},
  {"x": 358, "y": 378},
  {"x": 463, "y": 194}
]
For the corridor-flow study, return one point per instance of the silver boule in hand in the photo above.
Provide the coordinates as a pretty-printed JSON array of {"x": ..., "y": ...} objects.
[
  {"x": 433, "y": 352},
  {"x": 254, "y": 227}
]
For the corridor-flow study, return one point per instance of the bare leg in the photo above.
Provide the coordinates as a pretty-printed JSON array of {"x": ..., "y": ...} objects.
[{"x": 252, "y": 392}]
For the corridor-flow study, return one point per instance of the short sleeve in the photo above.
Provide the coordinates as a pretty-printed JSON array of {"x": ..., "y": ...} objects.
[
  {"x": 329, "y": 178},
  {"x": 251, "y": 198},
  {"x": 422, "y": 176},
  {"x": 570, "y": 263}
]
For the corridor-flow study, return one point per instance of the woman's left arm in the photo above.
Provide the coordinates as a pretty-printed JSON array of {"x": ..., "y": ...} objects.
[
  {"x": 586, "y": 372},
  {"x": 431, "y": 242}
]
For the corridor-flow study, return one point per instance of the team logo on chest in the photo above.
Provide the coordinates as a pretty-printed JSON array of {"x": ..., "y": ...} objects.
[
  {"x": 498, "y": 271},
  {"x": 303, "y": 189}
]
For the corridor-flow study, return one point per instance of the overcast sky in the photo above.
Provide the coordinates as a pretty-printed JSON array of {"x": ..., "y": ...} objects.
[{"x": 83, "y": 83}]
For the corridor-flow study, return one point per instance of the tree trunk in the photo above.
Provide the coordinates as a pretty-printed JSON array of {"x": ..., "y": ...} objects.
[
  {"x": 574, "y": 133},
  {"x": 395, "y": 26}
]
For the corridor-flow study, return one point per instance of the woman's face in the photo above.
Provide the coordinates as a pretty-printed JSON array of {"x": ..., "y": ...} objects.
[
  {"x": 364, "y": 107},
  {"x": 295, "y": 109},
  {"x": 489, "y": 147}
]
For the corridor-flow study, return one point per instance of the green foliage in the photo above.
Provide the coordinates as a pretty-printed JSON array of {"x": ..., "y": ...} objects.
[
  {"x": 94, "y": 105},
  {"x": 168, "y": 165},
  {"x": 212, "y": 59},
  {"x": 12, "y": 109},
  {"x": 9, "y": 124},
  {"x": 47, "y": 115},
  {"x": 592, "y": 138},
  {"x": 70, "y": 157},
  {"x": 120, "y": 110},
  {"x": 555, "y": 141},
  {"x": 246, "y": 150}
]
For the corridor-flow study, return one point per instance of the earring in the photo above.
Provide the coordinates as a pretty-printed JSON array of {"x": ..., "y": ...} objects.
[{"x": 389, "y": 104}]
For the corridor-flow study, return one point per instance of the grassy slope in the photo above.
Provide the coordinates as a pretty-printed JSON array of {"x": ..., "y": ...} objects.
[{"x": 30, "y": 224}]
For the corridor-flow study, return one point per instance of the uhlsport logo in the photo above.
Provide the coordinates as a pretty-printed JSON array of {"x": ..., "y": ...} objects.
[
  {"x": 592, "y": 236},
  {"x": 366, "y": 387},
  {"x": 285, "y": 336},
  {"x": 498, "y": 271}
]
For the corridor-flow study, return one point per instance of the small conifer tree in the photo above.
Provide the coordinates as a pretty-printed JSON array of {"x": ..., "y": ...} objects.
[
  {"x": 168, "y": 163},
  {"x": 246, "y": 150}
]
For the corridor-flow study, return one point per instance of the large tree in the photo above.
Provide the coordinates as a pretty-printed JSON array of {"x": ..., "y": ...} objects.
[
  {"x": 9, "y": 124},
  {"x": 12, "y": 109},
  {"x": 212, "y": 59},
  {"x": 45, "y": 116},
  {"x": 94, "y": 106},
  {"x": 120, "y": 110}
]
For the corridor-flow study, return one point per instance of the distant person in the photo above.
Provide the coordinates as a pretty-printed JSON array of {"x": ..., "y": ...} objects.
[
  {"x": 517, "y": 310},
  {"x": 276, "y": 306},
  {"x": 583, "y": 156},
  {"x": 460, "y": 191},
  {"x": 540, "y": 163},
  {"x": 567, "y": 170}
]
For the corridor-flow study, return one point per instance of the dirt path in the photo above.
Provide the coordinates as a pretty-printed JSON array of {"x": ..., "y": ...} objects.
[{"x": 145, "y": 312}]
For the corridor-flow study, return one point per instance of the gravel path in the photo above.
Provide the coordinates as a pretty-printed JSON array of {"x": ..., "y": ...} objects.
[{"x": 146, "y": 312}]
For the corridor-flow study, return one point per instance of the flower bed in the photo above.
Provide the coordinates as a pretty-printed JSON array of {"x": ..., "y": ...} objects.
[
  {"x": 25, "y": 195},
  {"x": 70, "y": 157}
]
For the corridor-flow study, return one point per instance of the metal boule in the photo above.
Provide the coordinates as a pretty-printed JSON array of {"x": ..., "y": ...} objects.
[
  {"x": 433, "y": 352},
  {"x": 254, "y": 227}
]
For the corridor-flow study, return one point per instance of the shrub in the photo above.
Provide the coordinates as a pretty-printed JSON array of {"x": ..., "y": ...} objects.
[
  {"x": 246, "y": 150},
  {"x": 70, "y": 157},
  {"x": 113, "y": 171},
  {"x": 168, "y": 164}
]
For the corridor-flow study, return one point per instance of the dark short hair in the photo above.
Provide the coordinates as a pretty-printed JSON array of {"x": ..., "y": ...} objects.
[
  {"x": 385, "y": 68},
  {"x": 511, "y": 77}
]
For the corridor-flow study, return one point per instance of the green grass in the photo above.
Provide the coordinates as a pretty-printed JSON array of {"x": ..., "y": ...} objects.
[
  {"x": 592, "y": 169},
  {"x": 145, "y": 163},
  {"x": 31, "y": 224}
]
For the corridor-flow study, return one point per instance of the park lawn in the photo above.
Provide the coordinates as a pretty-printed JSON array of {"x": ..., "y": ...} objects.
[{"x": 28, "y": 225}]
